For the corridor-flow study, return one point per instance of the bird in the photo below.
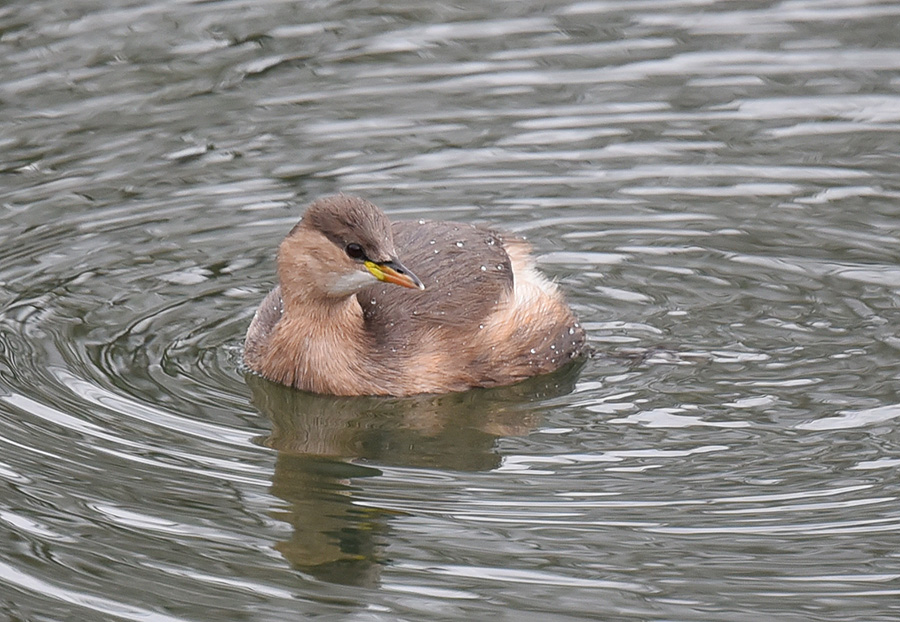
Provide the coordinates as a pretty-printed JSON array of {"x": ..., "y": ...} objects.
[{"x": 366, "y": 306}]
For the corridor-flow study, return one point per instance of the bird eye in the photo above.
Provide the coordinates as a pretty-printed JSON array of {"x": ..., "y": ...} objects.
[{"x": 354, "y": 251}]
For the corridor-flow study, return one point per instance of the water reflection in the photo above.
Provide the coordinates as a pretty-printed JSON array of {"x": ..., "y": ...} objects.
[
  {"x": 331, "y": 538},
  {"x": 323, "y": 441}
]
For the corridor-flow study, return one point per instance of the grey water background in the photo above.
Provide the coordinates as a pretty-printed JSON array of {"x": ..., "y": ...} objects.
[{"x": 716, "y": 185}]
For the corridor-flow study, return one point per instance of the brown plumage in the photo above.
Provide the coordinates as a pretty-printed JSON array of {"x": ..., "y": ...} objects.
[{"x": 337, "y": 323}]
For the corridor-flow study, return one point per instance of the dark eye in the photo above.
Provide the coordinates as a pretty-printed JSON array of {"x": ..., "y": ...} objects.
[{"x": 355, "y": 251}]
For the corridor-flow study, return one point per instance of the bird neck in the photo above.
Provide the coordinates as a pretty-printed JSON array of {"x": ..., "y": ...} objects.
[{"x": 319, "y": 345}]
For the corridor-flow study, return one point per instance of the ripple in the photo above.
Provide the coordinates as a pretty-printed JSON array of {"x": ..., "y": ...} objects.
[
  {"x": 714, "y": 189},
  {"x": 854, "y": 419},
  {"x": 96, "y": 604},
  {"x": 533, "y": 577}
]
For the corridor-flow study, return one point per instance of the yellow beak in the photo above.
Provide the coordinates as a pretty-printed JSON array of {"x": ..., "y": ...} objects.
[{"x": 394, "y": 272}]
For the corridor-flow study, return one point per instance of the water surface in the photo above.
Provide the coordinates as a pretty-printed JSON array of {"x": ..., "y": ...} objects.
[{"x": 715, "y": 186}]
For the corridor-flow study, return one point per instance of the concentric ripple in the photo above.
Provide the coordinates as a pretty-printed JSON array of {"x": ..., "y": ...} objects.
[{"x": 714, "y": 185}]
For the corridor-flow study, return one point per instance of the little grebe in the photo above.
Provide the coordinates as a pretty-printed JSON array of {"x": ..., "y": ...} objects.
[{"x": 481, "y": 315}]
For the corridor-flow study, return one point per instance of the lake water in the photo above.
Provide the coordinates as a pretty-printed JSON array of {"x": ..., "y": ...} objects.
[{"x": 715, "y": 185}]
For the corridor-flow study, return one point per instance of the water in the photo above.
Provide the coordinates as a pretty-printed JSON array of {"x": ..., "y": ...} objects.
[{"x": 715, "y": 186}]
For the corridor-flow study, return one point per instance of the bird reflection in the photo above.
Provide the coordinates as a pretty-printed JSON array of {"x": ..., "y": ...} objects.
[
  {"x": 327, "y": 446},
  {"x": 331, "y": 539}
]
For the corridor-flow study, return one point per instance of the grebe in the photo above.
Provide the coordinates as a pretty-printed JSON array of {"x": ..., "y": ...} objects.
[{"x": 470, "y": 311}]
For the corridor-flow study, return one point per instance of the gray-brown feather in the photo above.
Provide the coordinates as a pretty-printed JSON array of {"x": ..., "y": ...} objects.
[
  {"x": 464, "y": 269},
  {"x": 344, "y": 219},
  {"x": 264, "y": 320}
]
